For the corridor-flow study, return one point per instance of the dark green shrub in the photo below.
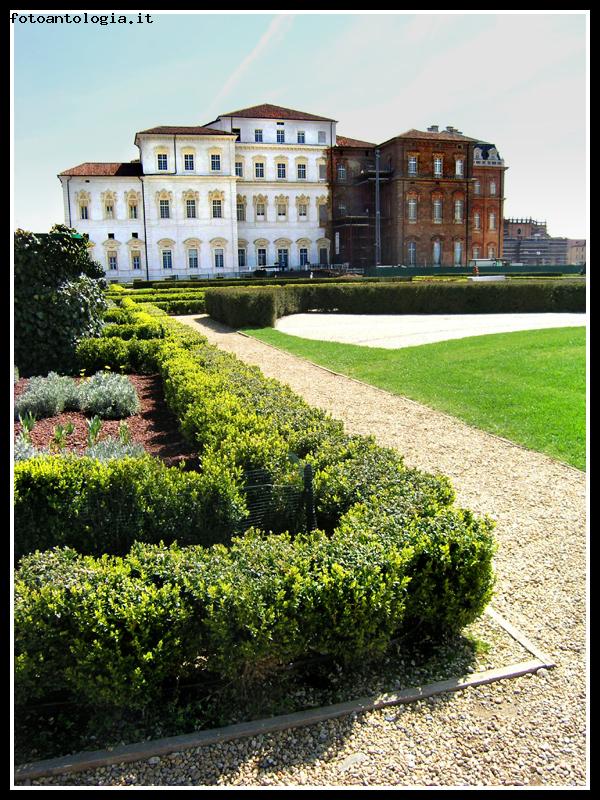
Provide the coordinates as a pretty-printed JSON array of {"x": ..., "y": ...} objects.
[
  {"x": 58, "y": 299},
  {"x": 142, "y": 330},
  {"x": 132, "y": 356},
  {"x": 103, "y": 507}
]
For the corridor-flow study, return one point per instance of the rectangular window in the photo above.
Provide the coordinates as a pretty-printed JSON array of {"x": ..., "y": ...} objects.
[
  {"x": 303, "y": 256},
  {"x": 110, "y": 212},
  {"x": 492, "y": 221},
  {"x": 188, "y": 162},
  {"x": 111, "y": 236},
  {"x": 412, "y": 254},
  {"x": 459, "y": 167},
  {"x": 216, "y": 209},
  {"x": 241, "y": 257},
  {"x": 136, "y": 260},
  {"x": 282, "y": 257},
  {"x": 193, "y": 258},
  {"x": 281, "y": 170},
  {"x": 162, "y": 161},
  {"x": 190, "y": 209},
  {"x": 437, "y": 211},
  {"x": 301, "y": 137},
  {"x": 493, "y": 187},
  {"x": 302, "y": 210},
  {"x": 237, "y": 132},
  {"x": 476, "y": 187},
  {"x": 133, "y": 211},
  {"x": 135, "y": 236},
  {"x": 437, "y": 166},
  {"x": 167, "y": 259},
  {"x": 261, "y": 257},
  {"x": 165, "y": 210},
  {"x": 457, "y": 253},
  {"x": 260, "y": 210},
  {"x": 412, "y": 210},
  {"x": 281, "y": 209},
  {"x": 280, "y": 136},
  {"x": 475, "y": 252},
  {"x": 219, "y": 258},
  {"x": 412, "y": 165},
  {"x": 337, "y": 243},
  {"x": 241, "y": 212},
  {"x": 259, "y": 169},
  {"x": 215, "y": 163},
  {"x": 258, "y": 135},
  {"x": 301, "y": 172},
  {"x": 239, "y": 169},
  {"x": 112, "y": 261},
  {"x": 322, "y": 137},
  {"x": 476, "y": 221},
  {"x": 341, "y": 172},
  {"x": 322, "y": 172},
  {"x": 458, "y": 211},
  {"x": 84, "y": 212}
]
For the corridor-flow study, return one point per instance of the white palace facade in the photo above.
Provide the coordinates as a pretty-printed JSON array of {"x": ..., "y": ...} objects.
[{"x": 248, "y": 190}]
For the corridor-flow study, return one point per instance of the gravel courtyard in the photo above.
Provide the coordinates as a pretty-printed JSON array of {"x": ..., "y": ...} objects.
[{"x": 528, "y": 731}]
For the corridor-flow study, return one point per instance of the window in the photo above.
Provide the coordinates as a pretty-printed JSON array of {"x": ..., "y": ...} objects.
[
  {"x": 322, "y": 172},
  {"x": 459, "y": 167},
  {"x": 239, "y": 169},
  {"x": 136, "y": 260},
  {"x": 281, "y": 209},
  {"x": 412, "y": 254},
  {"x": 241, "y": 257},
  {"x": 190, "y": 209},
  {"x": 457, "y": 253},
  {"x": 322, "y": 137},
  {"x": 301, "y": 172},
  {"x": 280, "y": 169},
  {"x": 133, "y": 211},
  {"x": 237, "y": 132},
  {"x": 260, "y": 210},
  {"x": 458, "y": 211},
  {"x": 111, "y": 236},
  {"x": 215, "y": 163},
  {"x": 280, "y": 136},
  {"x": 323, "y": 255},
  {"x": 491, "y": 251},
  {"x": 412, "y": 165},
  {"x": 219, "y": 258},
  {"x": 110, "y": 212},
  {"x": 438, "y": 165},
  {"x": 162, "y": 161},
  {"x": 193, "y": 258},
  {"x": 303, "y": 256},
  {"x": 112, "y": 260},
  {"x": 302, "y": 210},
  {"x": 341, "y": 172},
  {"x": 261, "y": 257},
  {"x": 477, "y": 187},
  {"x": 476, "y": 251},
  {"x": 283, "y": 257},
  {"x": 437, "y": 253},
  {"x": 216, "y": 209},
  {"x": 165, "y": 210},
  {"x": 258, "y": 135},
  {"x": 167, "y": 259},
  {"x": 135, "y": 236},
  {"x": 492, "y": 187},
  {"x": 84, "y": 212},
  {"x": 477, "y": 220},
  {"x": 492, "y": 221},
  {"x": 437, "y": 211},
  {"x": 412, "y": 209},
  {"x": 341, "y": 209},
  {"x": 241, "y": 212},
  {"x": 188, "y": 162},
  {"x": 301, "y": 137},
  {"x": 259, "y": 169}
]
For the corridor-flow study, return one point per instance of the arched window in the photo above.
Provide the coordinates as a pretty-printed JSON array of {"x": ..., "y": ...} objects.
[
  {"x": 457, "y": 253},
  {"x": 412, "y": 253},
  {"x": 437, "y": 253}
]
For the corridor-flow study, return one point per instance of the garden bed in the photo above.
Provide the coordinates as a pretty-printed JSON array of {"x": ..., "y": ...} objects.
[{"x": 154, "y": 426}]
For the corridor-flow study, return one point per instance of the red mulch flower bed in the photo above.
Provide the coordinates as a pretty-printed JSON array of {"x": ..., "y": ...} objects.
[{"x": 154, "y": 426}]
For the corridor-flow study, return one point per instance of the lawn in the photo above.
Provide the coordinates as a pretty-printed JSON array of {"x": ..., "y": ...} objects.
[{"x": 528, "y": 386}]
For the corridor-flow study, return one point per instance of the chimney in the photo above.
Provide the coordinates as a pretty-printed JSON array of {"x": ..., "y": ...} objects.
[
  {"x": 450, "y": 128},
  {"x": 433, "y": 128}
]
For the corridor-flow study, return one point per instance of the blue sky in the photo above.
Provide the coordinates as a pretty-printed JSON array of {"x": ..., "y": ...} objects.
[{"x": 81, "y": 91}]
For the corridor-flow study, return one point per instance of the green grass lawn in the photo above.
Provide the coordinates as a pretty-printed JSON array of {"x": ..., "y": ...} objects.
[{"x": 528, "y": 386}]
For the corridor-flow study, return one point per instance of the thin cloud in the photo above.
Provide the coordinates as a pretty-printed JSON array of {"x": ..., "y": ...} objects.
[{"x": 278, "y": 26}]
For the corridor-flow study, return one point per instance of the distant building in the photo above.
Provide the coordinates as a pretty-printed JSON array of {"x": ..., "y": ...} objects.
[
  {"x": 526, "y": 241},
  {"x": 577, "y": 251}
]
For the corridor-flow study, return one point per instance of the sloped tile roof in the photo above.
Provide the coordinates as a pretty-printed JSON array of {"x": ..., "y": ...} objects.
[
  {"x": 443, "y": 135},
  {"x": 111, "y": 168},
  {"x": 189, "y": 130},
  {"x": 346, "y": 141},
  {"x": 269, "y": 111}
]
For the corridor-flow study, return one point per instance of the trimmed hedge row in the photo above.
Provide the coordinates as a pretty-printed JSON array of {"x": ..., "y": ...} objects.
[
  {"x": 393, "y": 553},
  {"x": 261, "y": 307}
]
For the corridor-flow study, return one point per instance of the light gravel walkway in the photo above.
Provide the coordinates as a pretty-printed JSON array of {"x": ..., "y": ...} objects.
[
  {"x": 407, "y": 330},
  {"x": 521, "y": 732}
]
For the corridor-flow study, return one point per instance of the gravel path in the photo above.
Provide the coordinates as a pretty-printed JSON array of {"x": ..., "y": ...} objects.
[{"x": 521, "y": 732}]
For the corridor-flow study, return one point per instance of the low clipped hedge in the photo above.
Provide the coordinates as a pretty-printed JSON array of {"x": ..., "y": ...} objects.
[
  {"x": 104, "y": 507},
  {"x": 261, "y": 307},
  {"x": 106, "y": 627}
]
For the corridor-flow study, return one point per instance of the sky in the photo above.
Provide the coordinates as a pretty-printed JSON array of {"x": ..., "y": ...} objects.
[{"x": 81, "y": 91}]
